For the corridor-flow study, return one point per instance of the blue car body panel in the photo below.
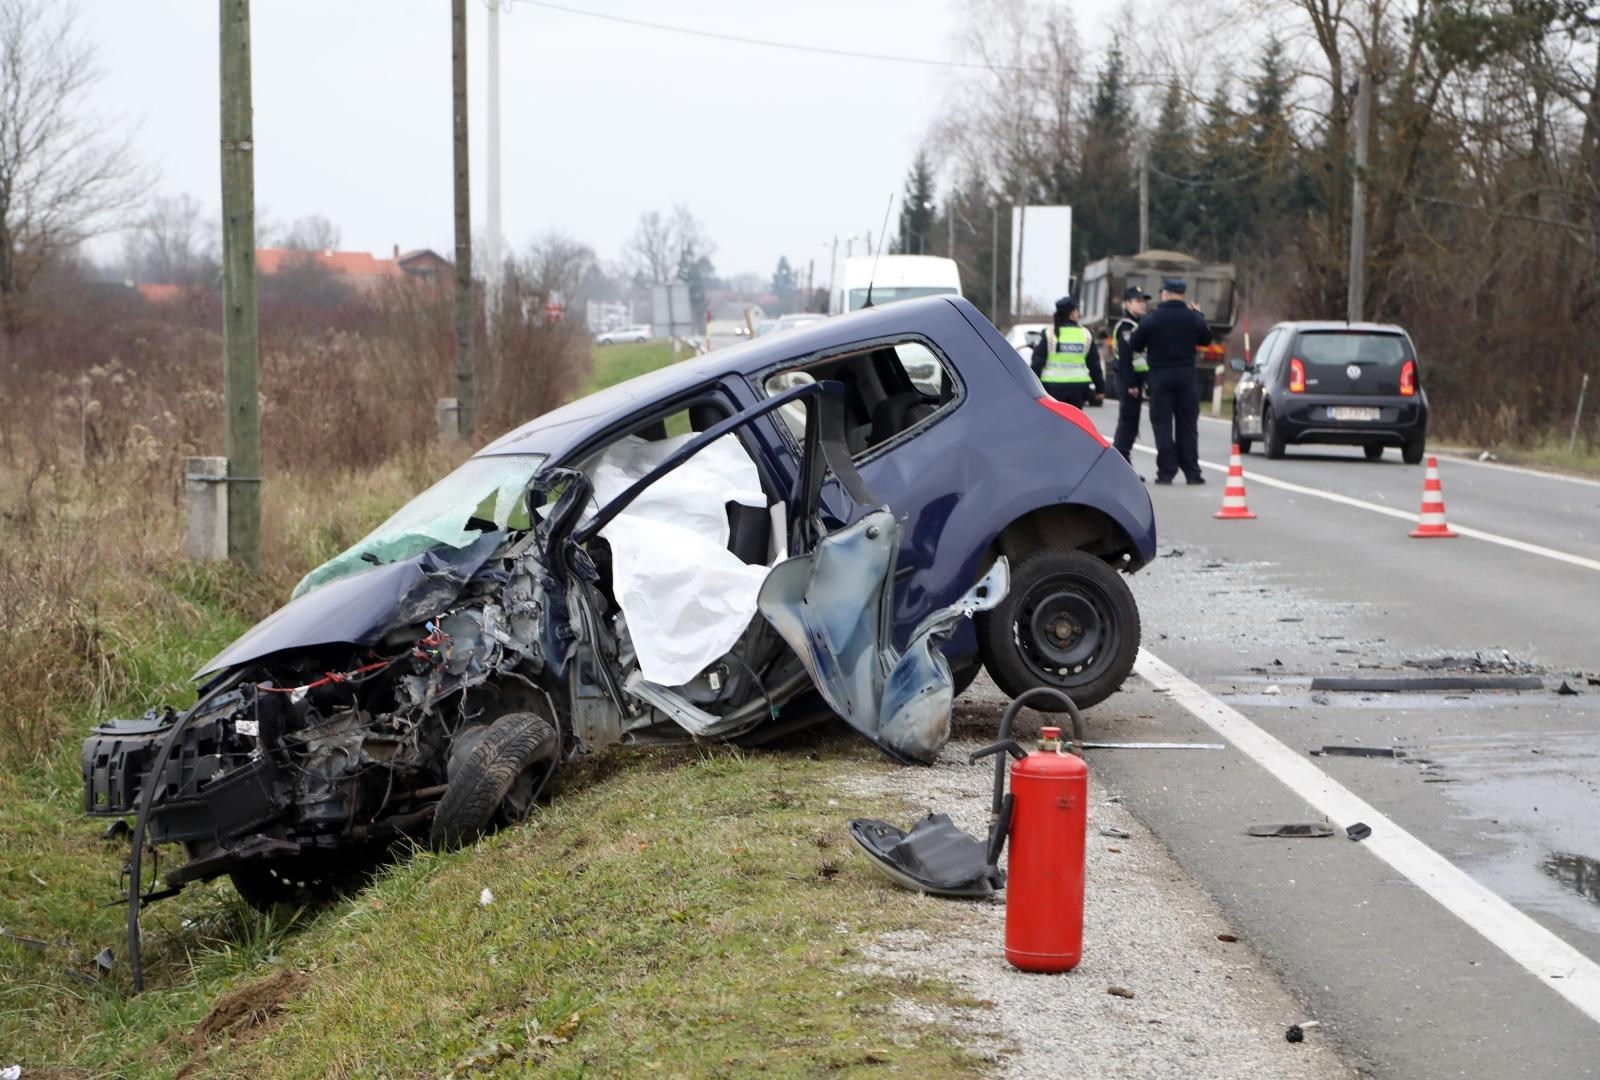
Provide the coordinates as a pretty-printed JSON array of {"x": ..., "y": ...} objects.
[{"x": 956, "y": 480}]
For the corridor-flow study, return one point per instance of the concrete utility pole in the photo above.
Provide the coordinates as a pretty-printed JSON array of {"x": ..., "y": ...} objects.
[
  {"x": 1358, "y": 202},
  {"x": 994, "y": 264},
  {"x": 492, "y": 242},
  {"x": 466, "y": 392},
  {"x": 1144, "y": 204},
  {"x": 240, "y": 340}
]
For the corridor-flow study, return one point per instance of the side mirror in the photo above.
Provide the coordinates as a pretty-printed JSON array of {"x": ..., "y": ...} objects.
[{"x": 1238, "y": 364}]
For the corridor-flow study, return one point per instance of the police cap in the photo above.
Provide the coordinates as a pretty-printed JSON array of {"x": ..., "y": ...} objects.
[
  {"x": 1134, "y": 292},
  {"x": 1066, "y": 304},
  {"x": 1174, "y": 285}
]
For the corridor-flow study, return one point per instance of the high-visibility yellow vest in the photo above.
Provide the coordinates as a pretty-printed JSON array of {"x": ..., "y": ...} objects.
[
  {"x": 1069, "y": 362},
  {"x": 1141, "y": 360}
]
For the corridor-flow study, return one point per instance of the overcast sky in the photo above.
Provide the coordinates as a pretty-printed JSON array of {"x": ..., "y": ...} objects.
[{"x": 777, "y": 151}]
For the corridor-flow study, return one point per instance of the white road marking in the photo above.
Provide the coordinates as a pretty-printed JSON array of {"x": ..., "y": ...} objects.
[
  {"x": 1474, "y": 462},
  {"x": 1555, "y": 963},
  {"x": 1400, "y": 515}
]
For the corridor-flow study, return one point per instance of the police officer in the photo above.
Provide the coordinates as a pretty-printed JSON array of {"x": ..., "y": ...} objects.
[
  {"x": 1067, "y": 362},
  {"x": 1171, "y": 334},
  {"x": 1129, "y": 369}
]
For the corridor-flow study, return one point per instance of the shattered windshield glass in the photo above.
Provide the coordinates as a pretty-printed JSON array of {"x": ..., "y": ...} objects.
[{"x": 484, "y": 493}]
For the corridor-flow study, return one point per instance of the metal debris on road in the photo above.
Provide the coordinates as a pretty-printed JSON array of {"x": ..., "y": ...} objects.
[
  {"x": 1228, "y": 938},
  {"x": 1402, "y": 684},
  {"x": 1115, "y": 833},
  {"x": 1359, "y": 751},
  {"x": 1154, "y": 746},
  {"x": 1293, "y": 828},
  {"x": 1566, "y": 689},
  {"x": 1359, "y": 831}
]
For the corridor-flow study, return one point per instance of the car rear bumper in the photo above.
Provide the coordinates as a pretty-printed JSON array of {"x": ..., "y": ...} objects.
[{"x": 1400, "y": 420}]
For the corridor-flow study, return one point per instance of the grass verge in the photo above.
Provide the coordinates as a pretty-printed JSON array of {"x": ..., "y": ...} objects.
[
  {"x": 681, "y": 912},
  {"x": 619, "y": 363}
]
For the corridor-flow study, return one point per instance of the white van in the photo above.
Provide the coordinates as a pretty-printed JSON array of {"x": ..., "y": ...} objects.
[{"x": 899, "y": 277}]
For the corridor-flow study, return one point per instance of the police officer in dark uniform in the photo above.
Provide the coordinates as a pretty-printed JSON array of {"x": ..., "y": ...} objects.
[
  {"x": 1067, "y": 362},
  {"x": 1130, "y": 369},
  {"x": 1171, "y": 334}
]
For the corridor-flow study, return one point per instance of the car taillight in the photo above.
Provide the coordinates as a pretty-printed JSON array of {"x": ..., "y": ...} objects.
[
  {"x": 1297, "y": 376},
  {"x": 1408, "y": 379},
  {"x": 1067, "y": 412}
]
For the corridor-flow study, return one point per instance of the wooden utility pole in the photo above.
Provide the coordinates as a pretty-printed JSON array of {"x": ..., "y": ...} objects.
[
  {"x": 466, "y": 316},
  {"x": 994, "y": 264},
  {"x": 240, "y": 340},
  {"x": 1358, "y": 202}
]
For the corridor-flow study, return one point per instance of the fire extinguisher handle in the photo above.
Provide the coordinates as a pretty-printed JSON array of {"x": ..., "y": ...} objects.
[{"x": 1008, "y": 745}]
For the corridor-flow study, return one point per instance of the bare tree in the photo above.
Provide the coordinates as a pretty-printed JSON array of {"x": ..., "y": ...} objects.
[
  {"x": 310, "y": 233},
  {"x": 173, "y": 243},
  {"x": 64, "y": 174},
  {"x": 659, "y": 243}
]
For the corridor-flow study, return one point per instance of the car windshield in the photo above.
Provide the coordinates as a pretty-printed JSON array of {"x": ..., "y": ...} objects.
[
  {"x": 484, "y": 493},
  {"x": 888, "y": 294}
]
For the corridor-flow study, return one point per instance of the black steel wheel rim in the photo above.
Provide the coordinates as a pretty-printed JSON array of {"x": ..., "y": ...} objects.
[{"x": 1064, "y": 628}]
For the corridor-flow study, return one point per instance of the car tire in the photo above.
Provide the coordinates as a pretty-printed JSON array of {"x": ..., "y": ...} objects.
[
  {"x": 1102, "y": 639},
  {"x": 1273, "y": 440},
  {"x": 1414, "y": 450},
  {"x": 1374, "y": 451},
  {"x": 495, "y": 784},
  {"x": 1240, "y": 441}
]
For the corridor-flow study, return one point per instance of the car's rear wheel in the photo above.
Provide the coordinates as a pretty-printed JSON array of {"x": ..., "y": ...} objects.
[
  {"x": 1069, "y": 622},
  {"x": 1239, "y": 440},
  {"x": 1272, "y": 435},
  {"x": 1374, "y": 451},
  {"x": 496, "y": 783},
  {"x": 1414, "y": 449}
]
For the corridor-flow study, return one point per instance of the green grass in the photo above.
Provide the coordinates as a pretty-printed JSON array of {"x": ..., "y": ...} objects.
[
  {"x": 619, "y": 363},
  {"x": 1551, "y": 455},
  {"x": 692, "y": 912}
]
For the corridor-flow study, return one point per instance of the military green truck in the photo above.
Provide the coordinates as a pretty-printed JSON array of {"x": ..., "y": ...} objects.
[{"x": 1210, "y": 286}]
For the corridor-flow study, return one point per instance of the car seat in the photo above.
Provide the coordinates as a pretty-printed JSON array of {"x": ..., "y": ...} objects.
[{"x": 897, "y": 412}]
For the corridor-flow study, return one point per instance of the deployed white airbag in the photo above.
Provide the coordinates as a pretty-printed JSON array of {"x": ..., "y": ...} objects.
[{"x": 686, "y": 597}]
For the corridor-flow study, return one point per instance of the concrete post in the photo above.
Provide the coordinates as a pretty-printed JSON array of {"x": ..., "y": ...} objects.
[
  {"x": 446, "y": 412},
  {"x": 205, "y": 486}
]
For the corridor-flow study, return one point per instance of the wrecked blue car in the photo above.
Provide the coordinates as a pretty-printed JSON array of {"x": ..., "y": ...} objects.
[{"x": 734, "y": 547}]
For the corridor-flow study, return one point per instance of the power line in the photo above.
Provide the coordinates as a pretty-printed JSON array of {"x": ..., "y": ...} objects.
[{"x": 738, "y": 39}]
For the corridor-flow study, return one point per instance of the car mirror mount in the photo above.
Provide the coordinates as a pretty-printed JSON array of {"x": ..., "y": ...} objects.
[{"x": 1238, "y": 364}]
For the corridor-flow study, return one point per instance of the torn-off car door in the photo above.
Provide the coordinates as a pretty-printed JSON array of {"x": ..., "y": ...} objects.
[{"x": 832, "y": 606}]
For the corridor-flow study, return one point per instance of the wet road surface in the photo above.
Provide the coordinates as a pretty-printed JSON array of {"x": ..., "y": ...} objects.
[{"x": 1505, "y": 785}]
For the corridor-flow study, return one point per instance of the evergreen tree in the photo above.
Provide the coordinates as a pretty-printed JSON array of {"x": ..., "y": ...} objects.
[
  {"x": 700, "y": 274},
  {"x": 1279, "y": 189},
  {"x": 916, "y": 209},
  {"x": 1223, "y": 207},
  {"x": 783, "y": 283},
  {"x": 1172, "y": 167},
  {"x": 1104, "y": 194}
]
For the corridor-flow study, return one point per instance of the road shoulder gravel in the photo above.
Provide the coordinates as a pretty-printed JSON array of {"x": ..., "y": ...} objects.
[{"x": 1201, "y": 1006}]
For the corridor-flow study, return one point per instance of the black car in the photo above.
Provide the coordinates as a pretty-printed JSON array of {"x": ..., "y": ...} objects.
[{"x": 1342, "y": 383}]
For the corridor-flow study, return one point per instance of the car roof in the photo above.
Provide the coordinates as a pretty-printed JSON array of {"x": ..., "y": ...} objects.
[
  {"x": 1330, "y": 324},
  {"x": 564, "y": 429}
]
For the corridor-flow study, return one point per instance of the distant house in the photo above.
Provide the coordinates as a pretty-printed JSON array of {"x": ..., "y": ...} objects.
[
  {"x": 164, "y": 294},
  {"x": 359, "y": 269}
]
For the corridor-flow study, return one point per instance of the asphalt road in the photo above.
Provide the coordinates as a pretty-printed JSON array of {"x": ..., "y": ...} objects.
[{"x": 1409, "y": 964}]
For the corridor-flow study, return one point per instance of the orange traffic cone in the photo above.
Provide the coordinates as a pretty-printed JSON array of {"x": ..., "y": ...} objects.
[
  {"x": 1233, "y": 505},
  {"x": 1431, "y": 525}
]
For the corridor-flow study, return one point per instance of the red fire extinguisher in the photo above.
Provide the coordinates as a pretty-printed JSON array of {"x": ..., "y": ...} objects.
[{"x": 1045, "y": 816}]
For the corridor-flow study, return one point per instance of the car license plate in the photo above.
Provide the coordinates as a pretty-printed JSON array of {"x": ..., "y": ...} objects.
[{"x": 1351, "y": 412}]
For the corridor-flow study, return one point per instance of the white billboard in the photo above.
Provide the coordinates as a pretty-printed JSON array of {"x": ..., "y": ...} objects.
[{"x": 1041, "y": 258}]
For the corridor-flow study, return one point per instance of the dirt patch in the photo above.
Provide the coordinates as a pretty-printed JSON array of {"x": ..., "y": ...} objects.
[{"x": 244, "y": 1012}]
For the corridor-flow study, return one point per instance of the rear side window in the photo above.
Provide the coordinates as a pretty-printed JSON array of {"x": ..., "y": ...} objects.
[
  {"x": 888, "y": 389},
  {"x": 1348, "y": 361}
]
